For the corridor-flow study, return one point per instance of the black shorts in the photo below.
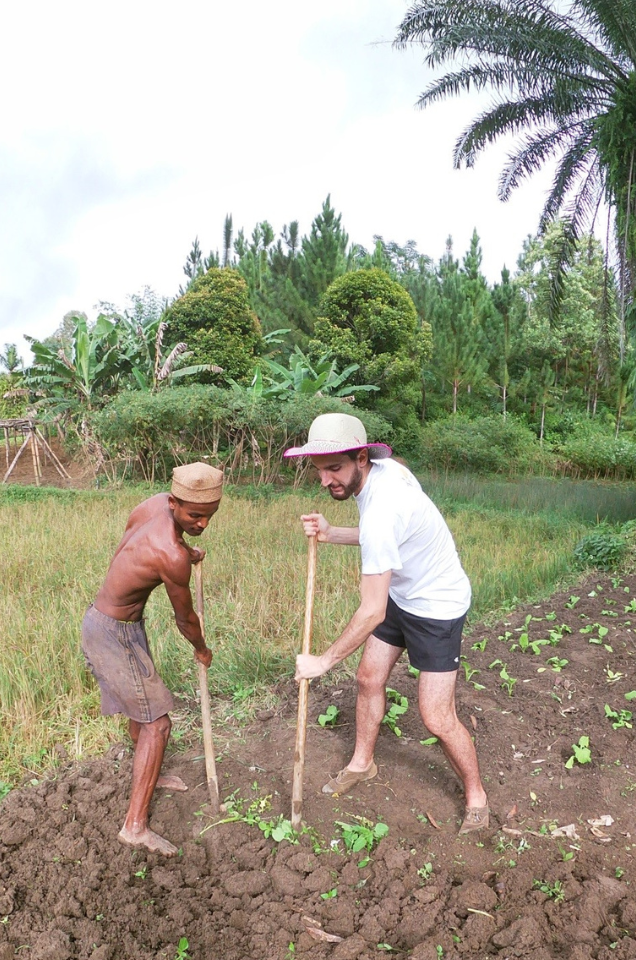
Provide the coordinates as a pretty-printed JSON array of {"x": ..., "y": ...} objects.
[{"x": 432, "y": 645}]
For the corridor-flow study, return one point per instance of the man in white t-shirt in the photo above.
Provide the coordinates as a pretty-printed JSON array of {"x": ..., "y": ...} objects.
[{"x": 414, "y": 595}]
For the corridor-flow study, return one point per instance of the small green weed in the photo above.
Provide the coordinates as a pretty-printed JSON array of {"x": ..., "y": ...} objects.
[
  {"x": 362, "y": 835},
  {"x": 553, "y": 890},
  {"x": 330, "y": 894},
  {"x": 572, "y": 602},
  {"x": 426, "y": 872}
]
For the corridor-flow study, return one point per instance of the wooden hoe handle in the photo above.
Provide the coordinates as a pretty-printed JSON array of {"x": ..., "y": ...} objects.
[
  {"x": 208, "y": 746},
  {"x": 301, "y": 729}
]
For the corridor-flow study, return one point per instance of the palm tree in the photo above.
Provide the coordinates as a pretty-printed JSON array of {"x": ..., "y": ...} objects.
[
  {"x": 10, "y": 359},
  {"x": 565, "y": 87}
]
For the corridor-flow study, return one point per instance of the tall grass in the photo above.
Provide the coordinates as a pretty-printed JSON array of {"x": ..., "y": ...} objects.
[
  {"x": 588, "y": 500},
  {"x": 56, "y": 549}
]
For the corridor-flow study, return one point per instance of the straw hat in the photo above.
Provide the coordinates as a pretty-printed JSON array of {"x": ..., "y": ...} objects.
[
  {"x": 197, "y": 483},
  {"x": 338, "y": 433}
]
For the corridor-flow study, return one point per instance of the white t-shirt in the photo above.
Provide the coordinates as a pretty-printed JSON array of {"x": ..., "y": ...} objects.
[{"x": 402, "y": 530}]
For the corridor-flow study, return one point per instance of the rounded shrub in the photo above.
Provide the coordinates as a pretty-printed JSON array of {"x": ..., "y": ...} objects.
[
  {"x": 603, "y": 549},
  {"x": 482, "y": 445}
]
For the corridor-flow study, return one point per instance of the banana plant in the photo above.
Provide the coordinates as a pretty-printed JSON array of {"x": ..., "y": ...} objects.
[
  {"x": 86, "y": 372},
  {"x": 302, "y": 376}
]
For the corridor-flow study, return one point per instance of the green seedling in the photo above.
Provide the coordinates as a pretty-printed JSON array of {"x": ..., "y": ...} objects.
[
  {"x": 182, "y": 950},
  {"x": 507, "y": 682},
  {"x": 557, "y": 633},
  {"x": 291, "y": 950},
  {"x": 553, "y": 890},
  {"x": 429, "y": 741},
  {"x": 620, "y": 718},
  {"x": 426, "y": 872},
  {"x": 142, "y": 873},
  {"x": 239, "y": 811},
  {"x": 329, "y": 717},
  {"x": 469, "y": 671},
  {"x": 279, "y": 830},
  {"x": 550, "y": 616},
  {"x": 631, "y": 606},
  {"x": 618, "y": 873},
  {"x": 413, "y": 672},
  {"x": 330, "y": 894},
  {"x": 480, "y": 645},
  {"x": 397, "y": 705},
  {"x": 612, "y": 676},
  {"x": 609, "y": 613},
  {"x": 439, "y": 950},
  {"x": 505, "y": 636},
  {"x": 566, "y": 855},
  {"x": 582, "y": 753},
  {"x": 387, "y": 947},
  {"x": 557, "y": 663},
  {"x": 631, "y": 695},
  {"x": 572, "y": 602},
  {"x": 362, "y": 835}
]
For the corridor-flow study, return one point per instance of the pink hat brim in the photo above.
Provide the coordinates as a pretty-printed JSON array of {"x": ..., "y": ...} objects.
[{"x": 318, "y": 448}]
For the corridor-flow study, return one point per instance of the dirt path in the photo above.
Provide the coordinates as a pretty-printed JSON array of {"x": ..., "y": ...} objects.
[{"x": 69, "y": 890}]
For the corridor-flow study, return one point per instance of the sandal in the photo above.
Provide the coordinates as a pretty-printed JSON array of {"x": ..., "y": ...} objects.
[
  {"x": 347, "y": 779},
  {"x": 475, "y": 818}
]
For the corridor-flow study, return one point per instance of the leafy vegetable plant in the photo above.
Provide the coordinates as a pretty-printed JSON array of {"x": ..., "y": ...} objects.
[
  {"x": 397, "y": 705},
  {"x": 329, "y": 717},
  {"x": 362, "y": 835},
  {"x": 582, "y": 753},
  {"x": 620, "y": 718}
]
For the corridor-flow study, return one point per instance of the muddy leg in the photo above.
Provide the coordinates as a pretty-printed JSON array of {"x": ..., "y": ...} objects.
[{"x": 150, "y": 741}]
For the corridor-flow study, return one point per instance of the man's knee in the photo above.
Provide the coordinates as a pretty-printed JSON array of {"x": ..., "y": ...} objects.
[
  {"x": 160, "y": 727},
  {"x": 368, "y": 680},
  {"x": 440, "y": 723}
]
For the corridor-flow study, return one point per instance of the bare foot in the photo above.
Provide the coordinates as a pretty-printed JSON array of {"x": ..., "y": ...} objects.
[
  {"x": 149, "y": 839},
  {"x": 171, "y": 783}
]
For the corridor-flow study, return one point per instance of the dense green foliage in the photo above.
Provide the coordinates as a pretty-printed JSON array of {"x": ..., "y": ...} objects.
[
  {"x": 368, "y": 319},
  {"x": 146, "y": 434},
  {"x": 215, "y": 320},
  {"x": 603, "y": 549}
]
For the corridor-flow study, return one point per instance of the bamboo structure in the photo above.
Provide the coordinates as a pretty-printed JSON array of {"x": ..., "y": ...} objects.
[{"x": 32, "y": 438}]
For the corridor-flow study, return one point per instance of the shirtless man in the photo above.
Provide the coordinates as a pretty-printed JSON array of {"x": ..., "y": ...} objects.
[{"x": 152, "y": 551}]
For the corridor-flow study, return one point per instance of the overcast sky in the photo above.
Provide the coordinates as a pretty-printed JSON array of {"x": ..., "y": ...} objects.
[{"x": 129, "y": 128}]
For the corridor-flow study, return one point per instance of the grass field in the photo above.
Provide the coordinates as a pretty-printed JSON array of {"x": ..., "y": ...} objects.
[{"x": 56, "y": 549}]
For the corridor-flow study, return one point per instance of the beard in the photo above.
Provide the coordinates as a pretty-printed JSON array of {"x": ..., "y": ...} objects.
[{"x": 345, "y": 490}]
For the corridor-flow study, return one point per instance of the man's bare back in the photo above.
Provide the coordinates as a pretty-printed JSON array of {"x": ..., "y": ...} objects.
[{"x": 152, "y": 551}]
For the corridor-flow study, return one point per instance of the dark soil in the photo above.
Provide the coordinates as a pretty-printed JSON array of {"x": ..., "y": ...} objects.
[{"x": 69, "y": 890}]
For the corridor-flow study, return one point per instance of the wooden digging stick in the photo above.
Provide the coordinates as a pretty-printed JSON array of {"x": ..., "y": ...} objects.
[
  {"x": 208, "y": 746},
  {"x": 301, "y": 729}
]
